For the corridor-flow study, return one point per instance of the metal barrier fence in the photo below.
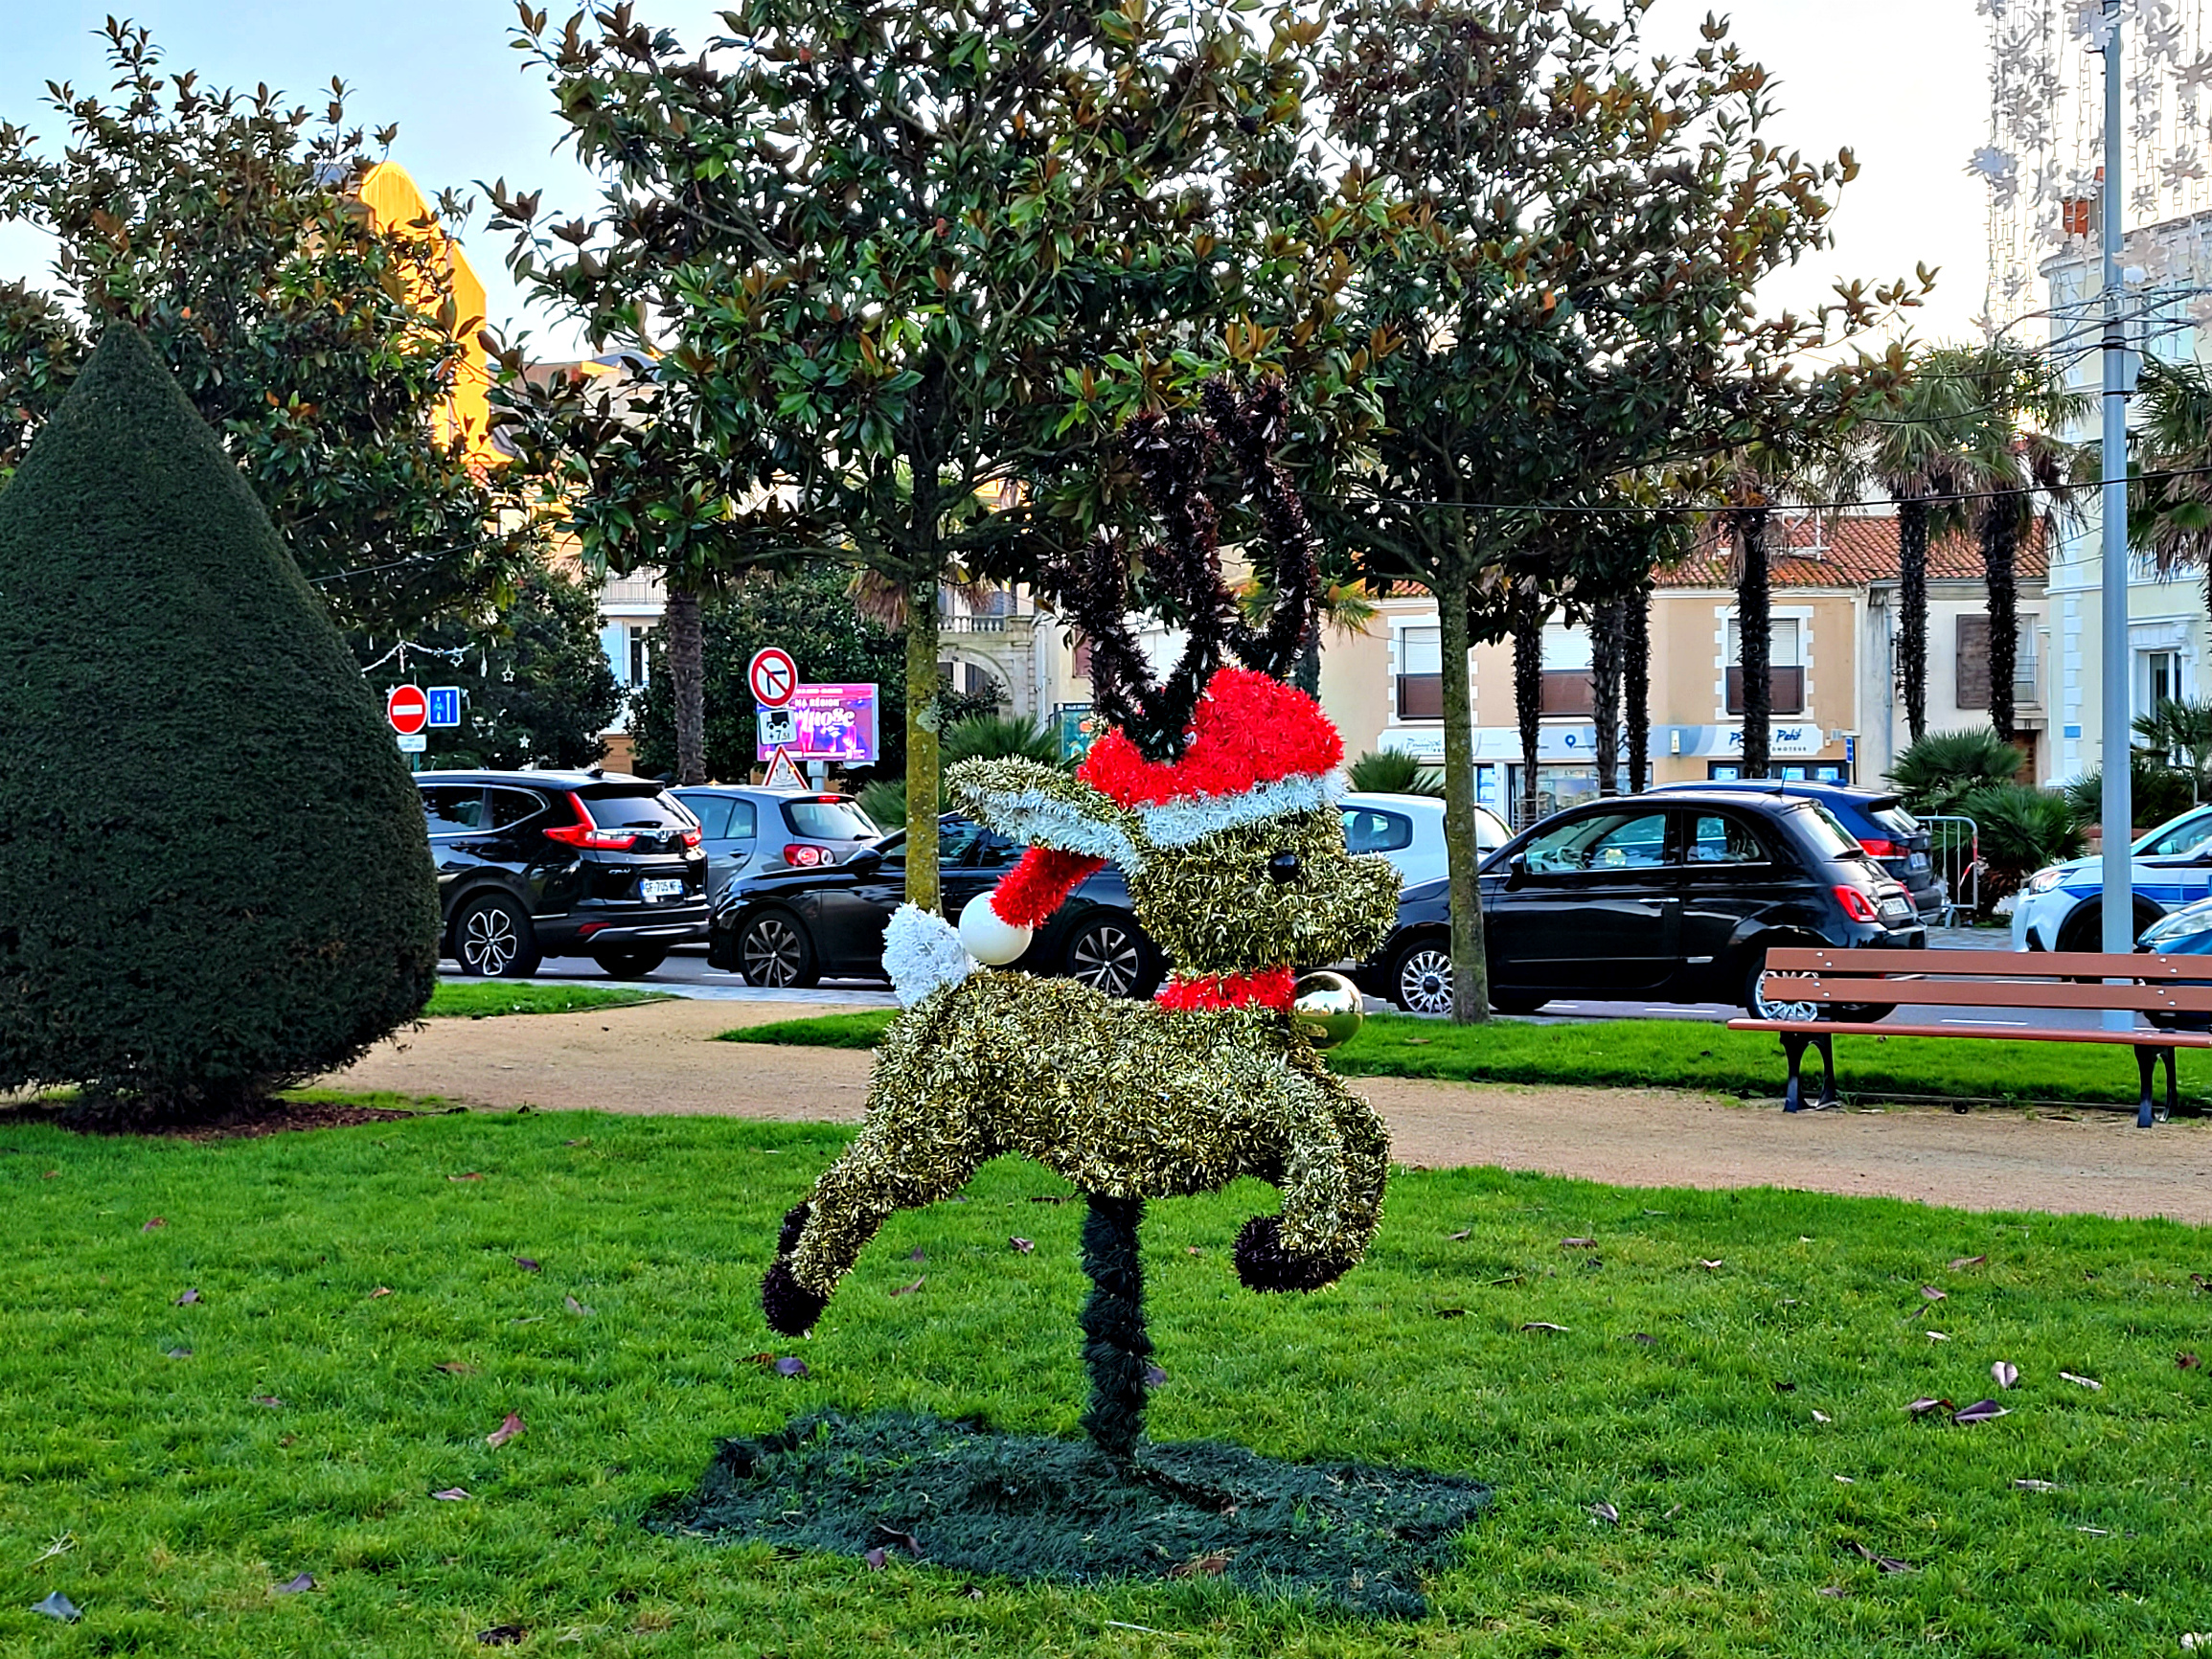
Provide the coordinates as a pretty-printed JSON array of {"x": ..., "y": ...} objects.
[{"x": 1954, "y": 849}]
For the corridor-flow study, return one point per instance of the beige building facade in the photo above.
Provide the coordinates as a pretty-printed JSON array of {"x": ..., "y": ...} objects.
[{"x": 1837, "y": 713}]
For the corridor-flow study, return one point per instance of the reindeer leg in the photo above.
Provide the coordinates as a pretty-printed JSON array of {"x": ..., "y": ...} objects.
[
  {"x": 1333, "y": 1170},
  {"x": 901, "y": 1160}
]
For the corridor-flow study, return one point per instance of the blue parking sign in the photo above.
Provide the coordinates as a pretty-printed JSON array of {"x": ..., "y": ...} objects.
[{"x": 445, "y": 705}]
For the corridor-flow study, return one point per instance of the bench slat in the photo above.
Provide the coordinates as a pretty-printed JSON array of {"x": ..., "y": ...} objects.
[
  {"x": 2150, "y": 1039},
  {"x": 2002, "y": 964},
  {"x": 1986, "y": 993}
]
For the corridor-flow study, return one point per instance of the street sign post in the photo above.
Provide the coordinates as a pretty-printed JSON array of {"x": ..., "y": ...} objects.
[
  {"x": 835, "y": 724},
  {"x": 773, "y": 676},
  {"x": 444, "y": 706},
  {"x": 783, "y": 773},
  {"x": 407, "y": 709}
]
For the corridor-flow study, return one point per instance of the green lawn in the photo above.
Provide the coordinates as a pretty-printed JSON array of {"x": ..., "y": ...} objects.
[
  {"x": 1731, "y": 1376},
  {"x": 1674, "y": 1054},
  {"x": 482, "y": 998}
]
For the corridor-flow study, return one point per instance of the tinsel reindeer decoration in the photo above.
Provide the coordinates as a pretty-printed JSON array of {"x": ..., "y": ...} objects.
[{"x": 1215, "y": 791}]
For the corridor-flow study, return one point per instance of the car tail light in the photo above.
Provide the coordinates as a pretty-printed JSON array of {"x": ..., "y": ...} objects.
[
  {"x": 583, "y": 833},
  {"x": 1881, "y": 849},
  {"x": 692, "y": 836},
  {"x": 801, "y": 856},
  {"x": 1856, "y": 904}
]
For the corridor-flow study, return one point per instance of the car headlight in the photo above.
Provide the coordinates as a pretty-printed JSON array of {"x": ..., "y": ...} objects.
[
  {"x": 2171, "y": 929},
  {"x": 2043, "y": 880}
]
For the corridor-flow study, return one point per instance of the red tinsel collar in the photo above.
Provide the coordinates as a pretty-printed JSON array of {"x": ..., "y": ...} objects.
[{"x": 1269, "y": 987}]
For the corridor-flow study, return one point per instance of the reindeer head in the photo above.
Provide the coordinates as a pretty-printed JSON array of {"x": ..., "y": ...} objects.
[{"x": 1234, "y": 852}]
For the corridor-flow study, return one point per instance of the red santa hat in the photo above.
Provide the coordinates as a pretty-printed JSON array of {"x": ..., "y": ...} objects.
[{"x": 1258, "y": 749}]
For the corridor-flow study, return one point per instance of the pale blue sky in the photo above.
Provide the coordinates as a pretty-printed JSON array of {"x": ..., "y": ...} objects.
[{"x": 1903, "y": 81}]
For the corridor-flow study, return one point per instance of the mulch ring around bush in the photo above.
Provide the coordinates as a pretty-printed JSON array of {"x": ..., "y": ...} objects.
[
  {"x": 966, "y": 1497},
  {"x": 271, "y": 1117}
]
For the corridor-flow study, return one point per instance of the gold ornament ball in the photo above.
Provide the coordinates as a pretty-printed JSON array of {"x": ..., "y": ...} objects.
[{"x": 1327, "y": 1008}]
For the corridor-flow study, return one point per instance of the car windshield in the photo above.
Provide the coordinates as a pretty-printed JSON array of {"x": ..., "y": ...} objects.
[
  {"x": 2184, "y": 834},
  {"x": 1828, "y": 835},
  {"x": 636, "y": 812},
  {"x": 828, "y": 818},
  {"x": 954, "y": 839}
]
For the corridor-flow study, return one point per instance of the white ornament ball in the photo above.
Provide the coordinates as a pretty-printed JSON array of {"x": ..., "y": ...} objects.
[{"x": 990, "y": 939}]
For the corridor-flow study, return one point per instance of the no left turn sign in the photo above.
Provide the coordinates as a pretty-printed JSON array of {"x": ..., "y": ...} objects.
[{"x": 773, "y": 676}]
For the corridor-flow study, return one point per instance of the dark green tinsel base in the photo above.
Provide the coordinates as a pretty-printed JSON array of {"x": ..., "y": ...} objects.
[{"x": 962, "y": 1496}]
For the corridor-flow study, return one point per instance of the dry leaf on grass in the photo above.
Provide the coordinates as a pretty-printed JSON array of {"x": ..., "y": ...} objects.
[
  {"x": 187, "y": 1299},
  {"x": 1606, "y": 1511},
  {"x": 2007, "y": 1374},
  {"x": 2187, "y": 1361},
  {"x": 501, "y": 1636},
  {"x": 1960, "y": 1263},
  {"x": 506, "y": 1431},
  {"x": 792, "y": 1366},
  {"x": 455, "y": 1368},
  {"x": 1982, "y": 1411},
  {"x": 528, "y": 1264},
  {"x": 1927, "y": 1404},
  {"x": 2080, "y": 1382},
  {"x": 380, "y": 1290},
  {"x": 298, "y": 1586},
  {"x": 1932, "y": 1293},
  {"x": 1543, "y": 1324},
  {"x": 156, "y": 1222},
  {"x": 1710, "y": 1266},
  {"x": 1022, "y": 1246},
  {"x": 180, "y": 1354},
  {"x": 576, "y": 1307},
  {"x": 470, "y": 1176},
  {"x": 2037, "y": 1485},
  {"x": 1455, "y": 1237},
  {"x": 1578, "y": 1243},
  {"x": 876, "y": 1559},
  {"x": 1204, "y": 1567},
  {"x": 452, "y": 1495},
  {"x": 268, "y": 1399},
  {"x": 1819, "y": 1416},
  {"x": 56, "y": 1605},
  {"x": 908, "y": 1289},
  {"x": 1887, "y": 1563}
]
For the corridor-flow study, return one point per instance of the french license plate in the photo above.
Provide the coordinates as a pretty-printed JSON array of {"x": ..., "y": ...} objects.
[
  {"x": 1895, "y": 909},
  {"x": 1917, "y": 863},
  {"x": 661, "y": 889}
]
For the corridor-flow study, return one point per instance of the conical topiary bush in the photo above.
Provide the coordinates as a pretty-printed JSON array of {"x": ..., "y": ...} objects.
[{"x": 213, "y": 878}]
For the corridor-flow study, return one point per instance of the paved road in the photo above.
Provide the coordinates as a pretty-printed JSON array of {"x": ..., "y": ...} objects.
[{"x": 687, "y": 974}]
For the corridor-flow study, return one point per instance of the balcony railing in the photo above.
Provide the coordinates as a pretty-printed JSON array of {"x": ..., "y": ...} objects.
[{"x": 1786, "y": 689}]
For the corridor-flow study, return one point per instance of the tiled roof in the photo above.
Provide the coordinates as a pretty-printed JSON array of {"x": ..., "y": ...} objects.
[{"x": 1847, "y": 551}]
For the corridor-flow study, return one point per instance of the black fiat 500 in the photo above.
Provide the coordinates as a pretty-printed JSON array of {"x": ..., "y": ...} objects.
[
  {"x": 1662, "y": 897},
  {"x": 539, "y": 864},
  {"x": 793, "y": 927}
]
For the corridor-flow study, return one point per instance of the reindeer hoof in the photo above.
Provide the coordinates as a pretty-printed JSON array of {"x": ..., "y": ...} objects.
[
  {"x": 794, "y": 1224},
  {"x": 1264, "y": 1264},
  {"x": 790, "y": 1306}
]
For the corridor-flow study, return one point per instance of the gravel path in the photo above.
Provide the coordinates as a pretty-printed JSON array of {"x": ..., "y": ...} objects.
[{"x": 659, "y": 1058}]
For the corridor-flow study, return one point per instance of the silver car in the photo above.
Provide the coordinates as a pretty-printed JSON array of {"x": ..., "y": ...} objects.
[{"x": 747, "y": 828}]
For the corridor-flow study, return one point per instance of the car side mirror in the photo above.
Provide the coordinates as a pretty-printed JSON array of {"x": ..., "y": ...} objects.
[
  {"x": 865, "y": 862},
  {"x": 1517, "y": 870}
]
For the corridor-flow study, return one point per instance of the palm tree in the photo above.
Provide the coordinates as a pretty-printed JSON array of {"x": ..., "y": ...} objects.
[
  {"x": 2023, "y": 473},
  {"x": 1529, "y": 610},
  {"x": 1910, "y": 440},
  {"x": 2170, "y": 500},
  {"x": 1609, "y": 639},
  {"x": 1636, "y": 677}
]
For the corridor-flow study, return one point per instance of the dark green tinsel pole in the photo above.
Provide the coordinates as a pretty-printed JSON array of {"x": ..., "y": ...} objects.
[{"x": 1116, "y": 1347}]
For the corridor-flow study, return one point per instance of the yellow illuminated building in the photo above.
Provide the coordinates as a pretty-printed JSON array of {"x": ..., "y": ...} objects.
[{"x": 396, "y": 203}]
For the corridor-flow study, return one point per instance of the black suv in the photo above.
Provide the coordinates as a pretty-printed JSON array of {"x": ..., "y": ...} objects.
[
  {"x": 790, "y": 927},
  {"x": 1673, "y": 896},
  {"x": 538, "y": 864}
]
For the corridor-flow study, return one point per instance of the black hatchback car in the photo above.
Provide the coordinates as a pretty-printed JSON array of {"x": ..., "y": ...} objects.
[
  {"x": 1673, "y": 896},
  {"x": 793, "y": 927},
  {"x": 1877, "y": 819},
  {"x": 539, "y": 864}
]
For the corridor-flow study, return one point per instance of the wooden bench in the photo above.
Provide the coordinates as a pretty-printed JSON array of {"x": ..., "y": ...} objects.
[{"x": 2002, "y": 981}]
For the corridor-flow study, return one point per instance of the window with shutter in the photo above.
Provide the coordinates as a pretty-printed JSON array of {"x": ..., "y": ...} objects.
[{"x": 1972, "y": 675}]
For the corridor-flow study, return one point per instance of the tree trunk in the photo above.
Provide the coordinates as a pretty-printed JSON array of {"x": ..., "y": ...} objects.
[
  {"x": 1607, "y": 627},
  {"x": 1528, "y": 698},
  {"x": 1912, "y": 614},
  {"x": 1999, "y": 543},
  {"x": 1115, "y": 1348},
  {"x": 1470, "y": 966},
  {"x": 923, "y": 716},
  {"x": 1637, "y": 688},
  {"x": 1306, "y": 676},
  {"x": 1755, "y": 624},
  {"x": 688, "y": 683}
]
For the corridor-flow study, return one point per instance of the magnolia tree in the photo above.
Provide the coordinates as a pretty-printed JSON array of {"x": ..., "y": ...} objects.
[
  {"x": 1566, "y": 239},
  {"x": 899, "y": 270}
]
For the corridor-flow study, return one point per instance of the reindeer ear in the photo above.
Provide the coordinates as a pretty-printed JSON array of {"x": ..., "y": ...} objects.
[{"x": 1035, "y": 804}]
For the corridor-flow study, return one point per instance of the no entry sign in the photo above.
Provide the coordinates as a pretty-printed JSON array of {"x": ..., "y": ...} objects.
[
  {"x": 773, "y": 676},
  {"x": 407, "y": 709}
]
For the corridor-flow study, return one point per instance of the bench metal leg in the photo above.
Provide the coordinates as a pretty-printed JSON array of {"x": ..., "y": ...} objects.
[
  {"x": 1792, "y": 1091},
  {"x": 2173, "y": 1094},
  {"x": 2147, "y": 1066}
]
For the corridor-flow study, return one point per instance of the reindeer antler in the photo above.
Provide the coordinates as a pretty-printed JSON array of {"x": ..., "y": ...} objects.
[{"x": 1171, "y": 455}]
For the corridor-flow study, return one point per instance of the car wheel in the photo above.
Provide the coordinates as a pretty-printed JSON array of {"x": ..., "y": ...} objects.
[
  {"x": 1766, "y": 995},
  {"x": 2085, "y": 928},
  {"x": 1421, "y": 978},
  {"x": 1111, "y": 955},
  {"x": 492, "y": 939},
  {"x": 629, "y": 963},
  {"x": 773, "y": 950}
]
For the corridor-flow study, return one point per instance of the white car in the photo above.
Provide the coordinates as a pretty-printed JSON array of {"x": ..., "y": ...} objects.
[
  {"x": 2061, "y": 907},
  {"x": 1408, "y": 831}
]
